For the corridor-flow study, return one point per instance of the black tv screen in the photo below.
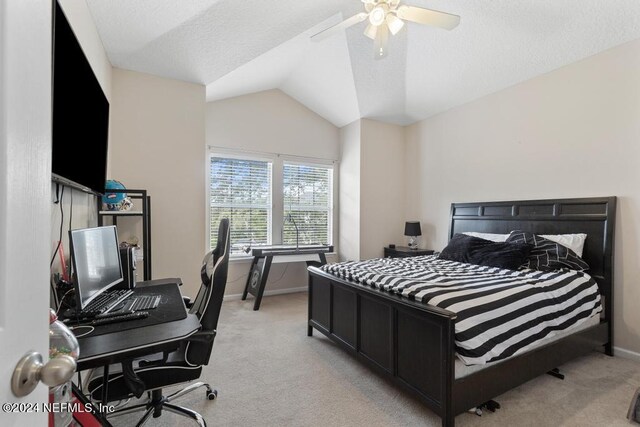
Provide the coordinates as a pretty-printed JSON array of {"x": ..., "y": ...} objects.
[{"x": 80, "y": 114}]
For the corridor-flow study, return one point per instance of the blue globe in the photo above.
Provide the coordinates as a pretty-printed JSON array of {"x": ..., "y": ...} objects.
[{"x": 113, "y": 201}]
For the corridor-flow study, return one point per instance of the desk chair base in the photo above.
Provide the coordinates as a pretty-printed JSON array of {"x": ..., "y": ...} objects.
[{"x": 158, "y": 402}]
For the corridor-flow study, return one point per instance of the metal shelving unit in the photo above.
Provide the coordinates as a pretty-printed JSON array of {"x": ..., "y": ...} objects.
[{"x": 145, "y": 214}]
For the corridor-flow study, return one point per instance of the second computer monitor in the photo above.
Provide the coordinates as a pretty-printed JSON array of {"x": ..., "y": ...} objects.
[{"x": 96, "y": 262}]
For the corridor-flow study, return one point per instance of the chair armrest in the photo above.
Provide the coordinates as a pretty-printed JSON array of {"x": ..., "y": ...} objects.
[
  {"x": 133, "y": 382},
  {"x": 159, "y": 362},
  {"x": 202, "y": 336},
  {"x": 187, "y": 301}
]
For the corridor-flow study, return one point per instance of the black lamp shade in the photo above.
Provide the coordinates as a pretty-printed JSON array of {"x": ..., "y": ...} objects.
[{"x": 412, "y": 228}]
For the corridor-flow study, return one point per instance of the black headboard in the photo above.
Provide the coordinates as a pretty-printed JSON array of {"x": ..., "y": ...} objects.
[{"x": 593, "y": 216}]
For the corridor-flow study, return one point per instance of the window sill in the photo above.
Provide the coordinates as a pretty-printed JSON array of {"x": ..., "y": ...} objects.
[
  {"x": 240, "y": 259},
  {"x": 233, "y": 259}
]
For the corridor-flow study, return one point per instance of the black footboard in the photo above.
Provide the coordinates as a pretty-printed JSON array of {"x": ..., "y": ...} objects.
[{"x": 412, "y": 343}]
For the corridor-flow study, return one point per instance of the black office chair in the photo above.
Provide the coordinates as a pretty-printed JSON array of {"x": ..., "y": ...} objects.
[{"x": 184, "y": 364}]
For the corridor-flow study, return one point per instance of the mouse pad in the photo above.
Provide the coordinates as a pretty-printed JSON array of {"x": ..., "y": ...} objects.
[{"x": 170, "y": 309}]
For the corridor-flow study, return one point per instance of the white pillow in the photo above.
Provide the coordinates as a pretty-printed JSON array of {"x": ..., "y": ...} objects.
[
  {"x": 575, "y": 242},
  {"x": 489, "y": 236}
]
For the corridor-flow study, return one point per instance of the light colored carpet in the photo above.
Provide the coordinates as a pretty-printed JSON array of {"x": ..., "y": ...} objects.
[{"x": 269, "y": 373}]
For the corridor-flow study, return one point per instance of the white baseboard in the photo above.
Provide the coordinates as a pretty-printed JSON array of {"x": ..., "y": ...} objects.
[
  {"x": 626, "y": 354},
  {"x": 269, "y": 293}
]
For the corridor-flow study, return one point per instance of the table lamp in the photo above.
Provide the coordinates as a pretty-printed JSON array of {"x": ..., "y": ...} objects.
[{"x": 412, "y": 230}]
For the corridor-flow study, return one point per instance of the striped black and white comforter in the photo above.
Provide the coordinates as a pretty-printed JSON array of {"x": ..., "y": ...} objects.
[{"x": 500, "y": 312}]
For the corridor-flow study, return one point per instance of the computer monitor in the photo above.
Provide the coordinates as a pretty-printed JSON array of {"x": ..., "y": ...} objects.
[{"x": 96, "y": 262}]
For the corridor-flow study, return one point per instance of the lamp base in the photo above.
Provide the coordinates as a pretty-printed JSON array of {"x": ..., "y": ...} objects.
[{"x": 413, "y": 242}]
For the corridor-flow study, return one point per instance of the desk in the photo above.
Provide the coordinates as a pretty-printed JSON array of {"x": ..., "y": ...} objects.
[
  {"x": 263, "y": 256},
  {"x": 120, "y": 346}
]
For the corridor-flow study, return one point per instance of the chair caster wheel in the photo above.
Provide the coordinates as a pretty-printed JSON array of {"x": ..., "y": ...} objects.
[{"x": 211, "y": 395}]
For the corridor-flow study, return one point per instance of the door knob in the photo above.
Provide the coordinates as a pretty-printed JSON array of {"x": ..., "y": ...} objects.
[{"x": 30, "y": 370}]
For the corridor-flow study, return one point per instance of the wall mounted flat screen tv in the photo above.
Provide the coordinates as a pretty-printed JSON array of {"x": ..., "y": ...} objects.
[{"x": 80, "y": 114}]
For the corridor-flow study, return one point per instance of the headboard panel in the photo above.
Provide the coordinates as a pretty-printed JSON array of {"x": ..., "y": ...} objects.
[{"x": 593, "y": 216}]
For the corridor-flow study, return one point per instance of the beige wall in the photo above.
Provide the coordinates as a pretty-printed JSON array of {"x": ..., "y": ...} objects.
[
  {"x": 382, "y": 194},
  {"x": 158, "y": 144},
  {"x": 270, "y": 122},
  {"x": 273, "y": 122},
  {"x": 371, "y": 188},
  {"x": 574, "y": 132},
  {"x": 350, "y": 192},
  {"x": 79, "y": 212}
]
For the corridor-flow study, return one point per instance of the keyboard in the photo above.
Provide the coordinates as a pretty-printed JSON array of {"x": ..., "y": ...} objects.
[
  {"x": 105, "y": 302},
  {"x": 119, "y": 318},
  {"x": 143, "y": 302}
]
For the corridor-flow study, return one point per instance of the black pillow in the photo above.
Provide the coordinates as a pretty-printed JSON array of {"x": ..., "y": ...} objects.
[
  {"x": 547, "y": 255},
  {"x": 474, "y": 250}
]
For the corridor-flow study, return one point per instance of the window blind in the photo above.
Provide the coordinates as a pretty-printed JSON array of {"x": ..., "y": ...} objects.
[
  {"x": 240, "y": 189},
  {"x": 307, "y": 192}
]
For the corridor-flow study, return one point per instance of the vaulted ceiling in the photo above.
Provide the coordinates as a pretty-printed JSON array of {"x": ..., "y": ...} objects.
[{"x": 238, "y": 47}]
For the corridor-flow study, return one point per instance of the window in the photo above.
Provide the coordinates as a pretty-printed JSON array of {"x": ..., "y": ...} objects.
[
  {"x": 240, "y": 189},
  {"x": 307, "y": 204},
  {"x": 267, "y": 197}
]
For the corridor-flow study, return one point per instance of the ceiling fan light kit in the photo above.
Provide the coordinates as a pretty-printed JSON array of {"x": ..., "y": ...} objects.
[
  {"x": 394, "y": 23},
  {"x": 387, "y": 16},
  {"x": 378, "y": 15}
]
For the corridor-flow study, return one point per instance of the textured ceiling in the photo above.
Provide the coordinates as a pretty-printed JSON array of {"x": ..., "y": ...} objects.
[{"x": 238, "y": 47}]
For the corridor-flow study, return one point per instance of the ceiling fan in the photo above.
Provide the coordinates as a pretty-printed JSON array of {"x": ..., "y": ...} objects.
[{"x": 387, "y": 16}]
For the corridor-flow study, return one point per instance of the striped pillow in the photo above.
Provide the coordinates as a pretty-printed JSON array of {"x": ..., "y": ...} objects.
[{"x": 547, "y": 255}]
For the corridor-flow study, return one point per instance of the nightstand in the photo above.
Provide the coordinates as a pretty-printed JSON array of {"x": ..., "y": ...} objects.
[{"x": 403, "y": 252}]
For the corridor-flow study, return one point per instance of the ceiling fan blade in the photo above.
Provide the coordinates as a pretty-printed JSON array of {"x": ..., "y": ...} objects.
[
  {"x": 429, "y": 17},
  {"x": 355, "y": 19},
  {"x": 369, "y": 4},
  {"x": 381, "y": 42},
  {"x": 394, "y": 23},
  {"x": 371, "y": 31}
]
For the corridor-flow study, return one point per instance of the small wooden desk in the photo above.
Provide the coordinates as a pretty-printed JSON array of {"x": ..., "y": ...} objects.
[{"x": 263, "y": 256}]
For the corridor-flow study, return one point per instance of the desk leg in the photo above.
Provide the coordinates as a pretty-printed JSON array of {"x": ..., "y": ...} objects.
[
  {"x": 105, "y": 385},
  {"x": 246, "y": 286},
  {"x": 323, "y": 259},
  {"x": 263, "y": 281}
]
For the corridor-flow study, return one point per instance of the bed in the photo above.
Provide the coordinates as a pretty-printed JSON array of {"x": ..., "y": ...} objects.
[{"x": 414, "y": 343}]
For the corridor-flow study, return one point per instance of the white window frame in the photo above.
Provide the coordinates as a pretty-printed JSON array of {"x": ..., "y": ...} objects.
[
  {"x": 320, "y": 163},
  {"x": 277, "y": 189},
  {"x": 238, "y": 156}
]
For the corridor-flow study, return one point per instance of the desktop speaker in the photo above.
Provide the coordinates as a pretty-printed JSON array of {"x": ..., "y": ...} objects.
[{"x": 128, "y": 259}]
